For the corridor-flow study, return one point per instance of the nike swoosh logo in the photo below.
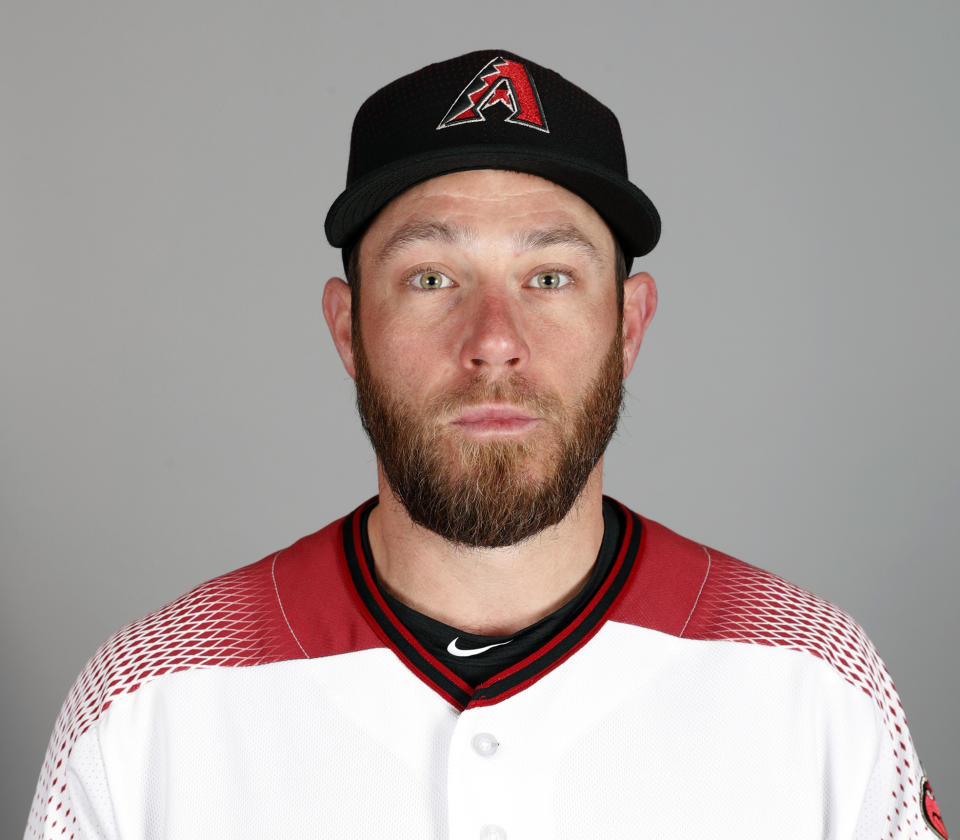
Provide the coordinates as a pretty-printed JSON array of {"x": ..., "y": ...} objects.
[{"x": 458, "y": 651}]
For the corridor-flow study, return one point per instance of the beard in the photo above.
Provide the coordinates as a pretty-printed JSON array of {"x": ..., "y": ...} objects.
[{"x": 489, "y": 493}]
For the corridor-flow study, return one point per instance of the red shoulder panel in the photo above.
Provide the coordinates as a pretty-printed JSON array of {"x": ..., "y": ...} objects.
[
  {"x": 670, "y": 573},
  {"x": 317, "y": 598}
]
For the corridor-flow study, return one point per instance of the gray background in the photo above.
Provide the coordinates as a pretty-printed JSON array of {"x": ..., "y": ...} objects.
[{"x": 172, "y": 404}]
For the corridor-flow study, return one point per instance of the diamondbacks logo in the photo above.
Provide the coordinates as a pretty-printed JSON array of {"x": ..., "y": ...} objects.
[
  {"x": 502, "y": 82},
  {"x": 931, "y": 811}
]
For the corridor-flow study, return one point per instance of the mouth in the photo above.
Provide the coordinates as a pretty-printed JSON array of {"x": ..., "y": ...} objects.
[{"x": 491, "y": 419}]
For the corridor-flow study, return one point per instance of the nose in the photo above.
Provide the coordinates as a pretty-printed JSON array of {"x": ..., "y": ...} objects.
[{"x": 493, "y": 340}]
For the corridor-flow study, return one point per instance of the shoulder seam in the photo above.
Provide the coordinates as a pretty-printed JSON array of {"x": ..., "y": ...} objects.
[
  {"x": 703, "y": 583},
  {"x": 283, "y": 612}
]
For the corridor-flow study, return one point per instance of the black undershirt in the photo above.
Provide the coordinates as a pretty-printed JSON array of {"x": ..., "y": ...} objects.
[{"x": 435, "y": 636}]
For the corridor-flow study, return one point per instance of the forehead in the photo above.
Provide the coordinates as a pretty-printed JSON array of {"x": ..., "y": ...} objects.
[{"x": 493, "y": 205}]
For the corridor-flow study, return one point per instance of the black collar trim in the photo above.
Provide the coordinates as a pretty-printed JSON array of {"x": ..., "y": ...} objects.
[{"x": 520, "y": 675}]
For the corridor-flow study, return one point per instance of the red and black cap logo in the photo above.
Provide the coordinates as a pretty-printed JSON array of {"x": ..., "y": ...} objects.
[
  {"x": 931, "y": 811},
  {"x": 504, "y": 82}
]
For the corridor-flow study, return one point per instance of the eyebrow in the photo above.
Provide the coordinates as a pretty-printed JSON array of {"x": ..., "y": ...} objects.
[
  {"x": 421, "y": 230},
  {"x": 568, "y": 235}
]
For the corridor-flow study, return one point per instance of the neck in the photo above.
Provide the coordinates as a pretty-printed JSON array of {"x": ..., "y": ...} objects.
[{"x": 488, "y": 591}]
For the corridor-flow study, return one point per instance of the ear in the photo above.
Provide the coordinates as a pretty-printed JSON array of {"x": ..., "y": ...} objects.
[
  {"x": 337, "y": 305},
  {"x": 639, "y": 305}
]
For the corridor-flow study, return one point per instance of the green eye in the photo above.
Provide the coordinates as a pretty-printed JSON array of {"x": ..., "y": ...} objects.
[
  {"x": 431, "y": 280},
  {"x": 550, "y": 280}
]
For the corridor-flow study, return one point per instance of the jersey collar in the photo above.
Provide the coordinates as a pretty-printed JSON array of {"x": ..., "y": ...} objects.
[{"x": 521, "y": 674}]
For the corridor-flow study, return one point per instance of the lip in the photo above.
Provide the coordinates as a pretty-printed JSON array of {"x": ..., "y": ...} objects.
[{"x": 493, "y": 419}]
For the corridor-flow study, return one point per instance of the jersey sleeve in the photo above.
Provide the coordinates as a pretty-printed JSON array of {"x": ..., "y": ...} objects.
[
  {"x": 898, "y": 803},
  {"x": 231, "y": 621},
  {"x": 740, "y": 603},
  {"x": 72, "y": 799}
]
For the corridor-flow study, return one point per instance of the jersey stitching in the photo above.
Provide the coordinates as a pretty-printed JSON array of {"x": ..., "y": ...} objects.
[
  {"x": 283, "y": 612},
  {"x": 703, "y": 583}
]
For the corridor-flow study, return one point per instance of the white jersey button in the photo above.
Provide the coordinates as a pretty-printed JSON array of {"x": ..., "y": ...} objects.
[
  {"x": 486, "y": 745},
  {"x": 492, "y": 832}
]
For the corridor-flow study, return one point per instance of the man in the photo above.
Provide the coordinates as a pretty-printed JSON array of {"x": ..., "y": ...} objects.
[{"x": 490, "y": 648}]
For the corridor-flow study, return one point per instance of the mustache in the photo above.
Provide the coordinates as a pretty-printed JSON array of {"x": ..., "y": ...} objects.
[{"x": 515, "y": 390}]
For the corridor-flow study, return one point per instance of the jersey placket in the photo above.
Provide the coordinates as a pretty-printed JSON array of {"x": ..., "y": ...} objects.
[{"x": 497, "y": 776}]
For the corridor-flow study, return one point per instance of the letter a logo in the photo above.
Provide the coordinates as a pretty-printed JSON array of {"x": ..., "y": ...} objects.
[{"x": 502, "y": 82}]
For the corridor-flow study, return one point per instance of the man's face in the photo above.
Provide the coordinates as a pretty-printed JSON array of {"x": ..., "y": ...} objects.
[{"x": 487, "y": 351}]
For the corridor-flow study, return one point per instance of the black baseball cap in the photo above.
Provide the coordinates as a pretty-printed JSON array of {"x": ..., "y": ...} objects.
[{"x": 490, "y": 109}]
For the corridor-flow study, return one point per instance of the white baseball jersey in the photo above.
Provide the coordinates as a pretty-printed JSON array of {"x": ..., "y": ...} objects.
[{"x": 694, "y": 696}]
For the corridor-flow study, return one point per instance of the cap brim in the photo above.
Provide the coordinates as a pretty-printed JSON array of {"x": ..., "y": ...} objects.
[{"x": 629, "y": 213}]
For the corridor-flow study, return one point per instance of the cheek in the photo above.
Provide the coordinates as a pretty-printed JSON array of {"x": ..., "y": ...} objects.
[
  {"x": 406, "y": 356},
  {"x": 575, "y": 345}
]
